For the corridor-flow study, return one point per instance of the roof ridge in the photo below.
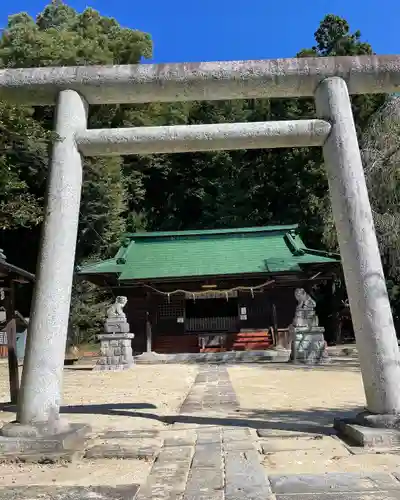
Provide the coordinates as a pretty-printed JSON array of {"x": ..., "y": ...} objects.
[
  {"x": 323, "y": 253},
  {"x": 210, "y": 232}
]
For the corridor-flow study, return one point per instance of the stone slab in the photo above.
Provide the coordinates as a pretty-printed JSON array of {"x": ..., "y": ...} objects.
[
  {"x": 236, "y": 433},
  {"x": 204, "y": 483},
  {"x": 237, "y": 440},
  {"x": 186, "y": 439},
  {"x": 244, "y": 445},
  {"x": 127, "y": 492},
  {"x": 296, "y": 444},
  {"x": 63, "y": 446},
  {"x": 175, "y": 454},
  {"x": 115, "y": 336},
  {"x": 266, "y": 433},
  {"x": 116, "y": 327},
  {"x": 370, "y": 495},
  {"x": 267, "y": 356},
  {"x": 245, "y": 477},
  {"x": 110, "y": 450},
  {"x": 333, "y": 482},
  {"x": 166, "y": 481},
  {"x": 208, "y": 436},
  {"x": 207, "y": 456},
  {"x": 140, "y": 434},
  {"x": 198, "y": 495},
  {"x": 368, "y": 437},
  {"x": 112, "y": 368}
]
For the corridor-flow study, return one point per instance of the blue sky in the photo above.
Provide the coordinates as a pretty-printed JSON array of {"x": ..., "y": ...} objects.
[{"x": 206, "y": 30}]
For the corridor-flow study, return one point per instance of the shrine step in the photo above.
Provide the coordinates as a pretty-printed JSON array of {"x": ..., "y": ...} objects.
[
  {"x": 229, "y": 357},
  {"x": 251, "y": 346}
]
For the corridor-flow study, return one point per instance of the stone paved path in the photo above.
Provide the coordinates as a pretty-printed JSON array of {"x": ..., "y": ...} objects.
[{"x": 207, "y": 462}]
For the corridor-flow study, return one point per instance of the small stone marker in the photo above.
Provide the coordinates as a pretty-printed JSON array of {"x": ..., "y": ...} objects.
[{"x": 116, "y": 342}]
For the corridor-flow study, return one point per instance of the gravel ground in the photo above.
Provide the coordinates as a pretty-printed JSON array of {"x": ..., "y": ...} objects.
[
  {"x": 293, "y": 405},
  {"x": 119, "y": 400},
  {"x": 85, "y": 473}
]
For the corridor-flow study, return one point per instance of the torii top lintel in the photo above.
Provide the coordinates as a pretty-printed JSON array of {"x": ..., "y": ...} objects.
[{"x": 297, "y": 77}]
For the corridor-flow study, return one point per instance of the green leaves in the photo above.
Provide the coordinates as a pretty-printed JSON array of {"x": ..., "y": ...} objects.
[
  {"x": 23, "y": 167},
  {"x": 62, "y": 36}
]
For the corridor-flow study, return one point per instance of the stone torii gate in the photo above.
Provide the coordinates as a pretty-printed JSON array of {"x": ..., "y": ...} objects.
[{"x": 328, "y": 80}]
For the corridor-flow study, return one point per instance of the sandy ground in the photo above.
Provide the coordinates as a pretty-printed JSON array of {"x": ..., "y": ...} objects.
[
  {"x": 86, "y": 473},
  {"x": 296, "y": 407},
  {"x": 127, "y": 400},
  {"x": 107, "y": 401}
]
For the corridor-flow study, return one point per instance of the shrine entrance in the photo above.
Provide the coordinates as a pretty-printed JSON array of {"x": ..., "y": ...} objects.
[{"x": 214, "y": 312}]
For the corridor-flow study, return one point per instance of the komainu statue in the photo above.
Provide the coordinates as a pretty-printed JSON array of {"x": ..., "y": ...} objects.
[
  {"x": 116, "y": 310},
  {"x": 305, "y": 315}
]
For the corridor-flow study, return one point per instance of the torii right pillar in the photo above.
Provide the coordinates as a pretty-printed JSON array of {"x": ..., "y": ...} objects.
[{"x": 377, "y": 345}]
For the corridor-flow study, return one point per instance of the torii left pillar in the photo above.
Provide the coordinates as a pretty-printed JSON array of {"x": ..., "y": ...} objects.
[{"x": 41, "y": 385}]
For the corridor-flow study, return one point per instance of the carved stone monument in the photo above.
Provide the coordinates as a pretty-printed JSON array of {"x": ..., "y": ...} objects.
[
  {"x": 115, "y": 343},
  {"x": 307, "y": 337}
]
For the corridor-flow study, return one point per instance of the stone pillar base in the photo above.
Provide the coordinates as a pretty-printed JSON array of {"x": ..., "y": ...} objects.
[
  {"x": 308, "y": 345},
  {"x": 370, "y": 430},
  {"x": 115, "y": 352},
  {"x": 42, "y": 442}
]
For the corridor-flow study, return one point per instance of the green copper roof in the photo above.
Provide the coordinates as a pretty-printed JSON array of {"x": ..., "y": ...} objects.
[{"x": 208, "y": 253}]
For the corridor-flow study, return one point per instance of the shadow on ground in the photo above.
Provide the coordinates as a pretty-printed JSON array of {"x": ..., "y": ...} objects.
[
  {"x": 334, "y": 365},
  {"x": 313, "y": 420},
  {"x": 107, "y": 409},
  {"x": 123, "y": 409}
]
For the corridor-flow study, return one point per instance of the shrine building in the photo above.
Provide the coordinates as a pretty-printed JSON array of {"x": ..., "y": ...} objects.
[{"x": 211, "y": 290}]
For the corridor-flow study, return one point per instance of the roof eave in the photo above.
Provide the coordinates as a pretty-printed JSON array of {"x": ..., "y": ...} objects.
[
  {"x": 11, "y": 269},
  {"x": 216, "y": 277}
]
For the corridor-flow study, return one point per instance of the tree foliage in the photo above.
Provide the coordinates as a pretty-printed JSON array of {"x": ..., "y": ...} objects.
[
  {"x": 381, "y": 155},
  {"x": 155, "y": 192}
]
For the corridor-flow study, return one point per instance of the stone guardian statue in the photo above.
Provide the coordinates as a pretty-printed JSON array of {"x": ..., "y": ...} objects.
[
  {"x": 116, "y": 310},
  {"x": 116, "y": 318},
  {"x": 305, "y": 315},
  {"x": 116, "y": 341},
  {"x": 308, "y": 342}
]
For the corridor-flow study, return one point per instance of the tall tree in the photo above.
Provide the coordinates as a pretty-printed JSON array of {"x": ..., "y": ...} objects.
[{"x": 61, "y": 36}]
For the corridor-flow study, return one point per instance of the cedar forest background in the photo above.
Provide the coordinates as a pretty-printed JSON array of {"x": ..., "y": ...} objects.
[{"x": 168, "y": 192}]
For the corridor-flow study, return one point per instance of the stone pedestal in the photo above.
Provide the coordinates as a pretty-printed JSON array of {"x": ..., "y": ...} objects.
[
  {"x": 308, "y": 344},
  {"x": 116, "y": 325},
  {"x": 115, "y": 352}
]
